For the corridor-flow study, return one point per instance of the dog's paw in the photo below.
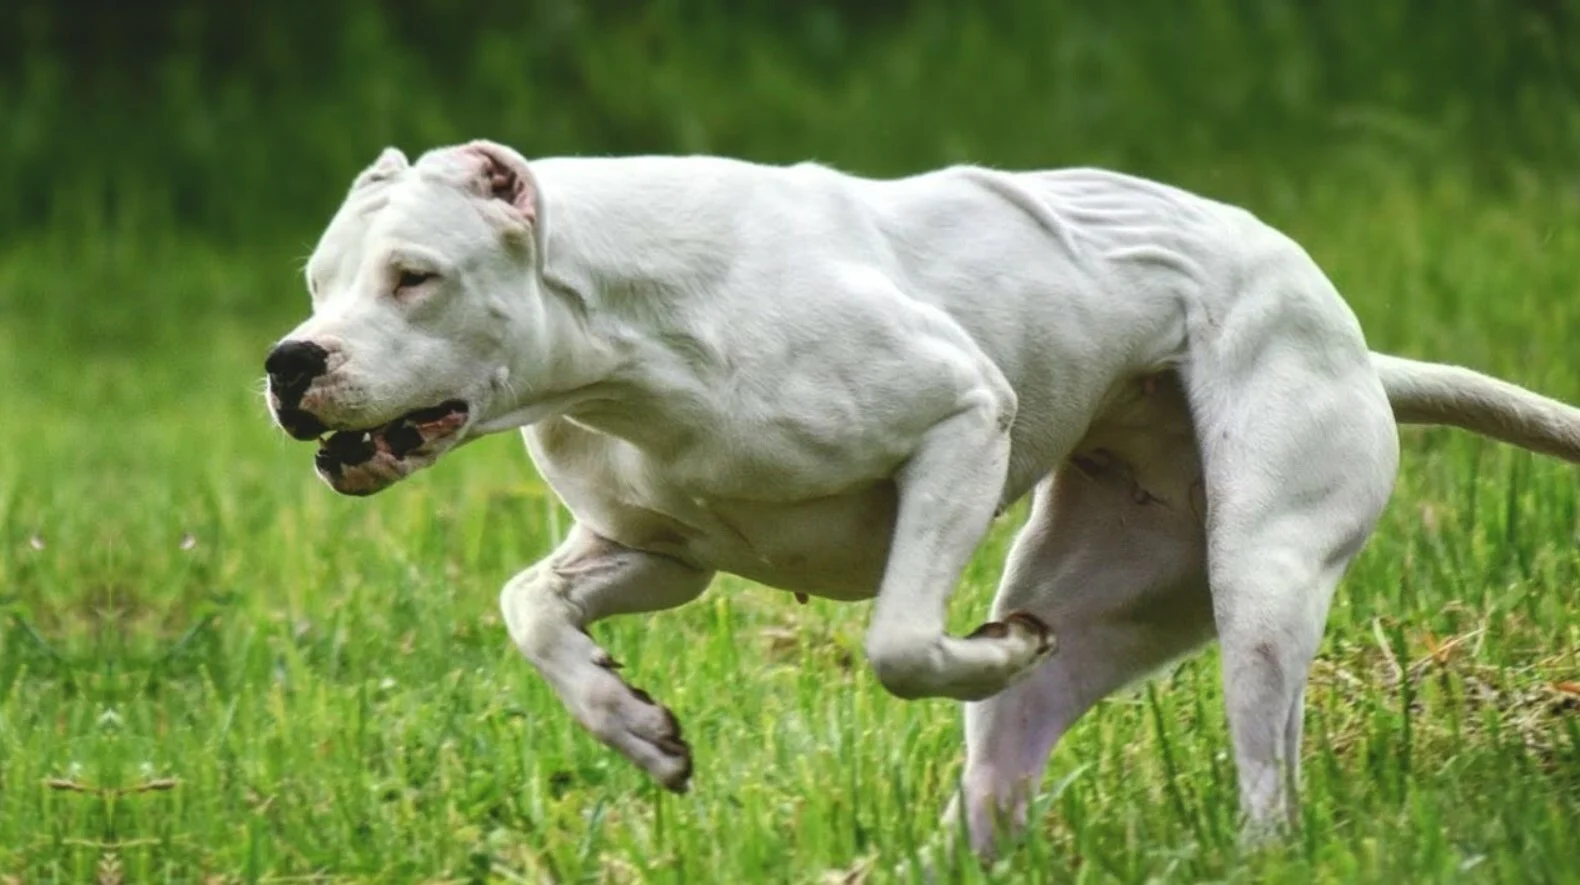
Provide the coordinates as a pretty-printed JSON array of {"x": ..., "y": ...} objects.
[
  {"x": 643, "y": 730},
  {"x": 1024, "y": 630},
  {"x": 1016, "y": 645}
]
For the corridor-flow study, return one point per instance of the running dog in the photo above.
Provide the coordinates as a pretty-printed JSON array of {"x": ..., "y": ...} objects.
[{"x": 832, "y": 385}]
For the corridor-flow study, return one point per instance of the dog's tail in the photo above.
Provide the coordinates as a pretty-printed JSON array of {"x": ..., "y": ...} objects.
[{"x": 1433, "y": 393}]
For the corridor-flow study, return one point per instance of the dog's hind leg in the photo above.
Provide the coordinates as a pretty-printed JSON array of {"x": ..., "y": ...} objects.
[
  {"x": 547, "y": 609},
  {"x": 1299, "y": 453},
  {"x": 1121, "y": 577}
]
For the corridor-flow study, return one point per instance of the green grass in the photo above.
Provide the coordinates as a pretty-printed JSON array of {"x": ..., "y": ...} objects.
[{"x": 213, "y": 666}]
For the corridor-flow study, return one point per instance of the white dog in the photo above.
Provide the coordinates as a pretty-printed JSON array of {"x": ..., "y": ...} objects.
[{"x": 832, "y": 385}]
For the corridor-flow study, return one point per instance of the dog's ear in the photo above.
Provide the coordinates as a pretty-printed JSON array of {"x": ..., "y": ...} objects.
[
  {"x": 390, "y": 162},
  {"x": 503, "y": 175}
]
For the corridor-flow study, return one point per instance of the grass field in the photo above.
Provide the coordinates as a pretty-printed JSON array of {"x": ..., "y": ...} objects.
[{"x": 213, "y": 666}]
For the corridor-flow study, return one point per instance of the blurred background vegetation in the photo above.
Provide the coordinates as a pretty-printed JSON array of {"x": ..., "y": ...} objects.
[
  {"x": 235, "y": 121},
  {"x": 137, "y": 138}
]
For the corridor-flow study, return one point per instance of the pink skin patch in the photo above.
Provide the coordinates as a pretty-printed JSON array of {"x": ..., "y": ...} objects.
[{"x": 504, "y": 176}]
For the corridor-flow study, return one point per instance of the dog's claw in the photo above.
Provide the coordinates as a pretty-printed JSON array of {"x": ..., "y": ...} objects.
[
  {"x": 680, "y": 782},
  {"x": 1047, "y": 643},
  {"x": 675, "y": 747}
]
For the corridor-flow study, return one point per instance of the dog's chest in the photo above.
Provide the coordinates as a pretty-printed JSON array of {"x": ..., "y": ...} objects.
[{"x": 832, "y": 544}]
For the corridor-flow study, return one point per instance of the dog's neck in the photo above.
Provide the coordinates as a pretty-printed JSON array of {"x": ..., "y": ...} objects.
[
  {"x": 630, "y": 236},
  {"x": 619, "y": 281}
]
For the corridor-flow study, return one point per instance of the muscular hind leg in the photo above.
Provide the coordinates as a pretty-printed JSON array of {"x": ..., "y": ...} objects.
[
  {"x": 1271, "y": 585},
  {"x": 1010, "y": 736},
  {"x": 1296, "y": 466},
  {"x": 1299, "y": 454},
  {"x": 1121, "y": 577}
]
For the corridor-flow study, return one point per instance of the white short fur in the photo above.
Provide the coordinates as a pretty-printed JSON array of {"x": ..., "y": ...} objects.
[{"x": 832, "y": 385}]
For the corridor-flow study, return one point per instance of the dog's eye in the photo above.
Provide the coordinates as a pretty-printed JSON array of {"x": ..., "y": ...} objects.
[{"x": 411, "y": 279}]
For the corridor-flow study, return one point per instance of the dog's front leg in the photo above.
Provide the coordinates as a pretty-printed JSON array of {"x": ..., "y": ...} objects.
[
  {"x": 547, "y": 608},
  {"x": 948, "y": 493}
]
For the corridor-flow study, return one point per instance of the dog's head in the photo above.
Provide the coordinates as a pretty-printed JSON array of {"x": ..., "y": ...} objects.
[{"x": 428, "y": 316}]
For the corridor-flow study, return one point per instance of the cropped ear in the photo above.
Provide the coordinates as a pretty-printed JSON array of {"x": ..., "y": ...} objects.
[
  {"x": 502, "y": 175},
  {"x": 390, "y": 162}
]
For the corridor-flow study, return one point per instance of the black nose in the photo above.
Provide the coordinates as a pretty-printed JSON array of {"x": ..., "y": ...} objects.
[{"x": 292, "y": 365}]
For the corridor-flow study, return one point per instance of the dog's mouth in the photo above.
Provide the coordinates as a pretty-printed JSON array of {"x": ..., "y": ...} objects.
[{"x": 361, "y": 462}]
